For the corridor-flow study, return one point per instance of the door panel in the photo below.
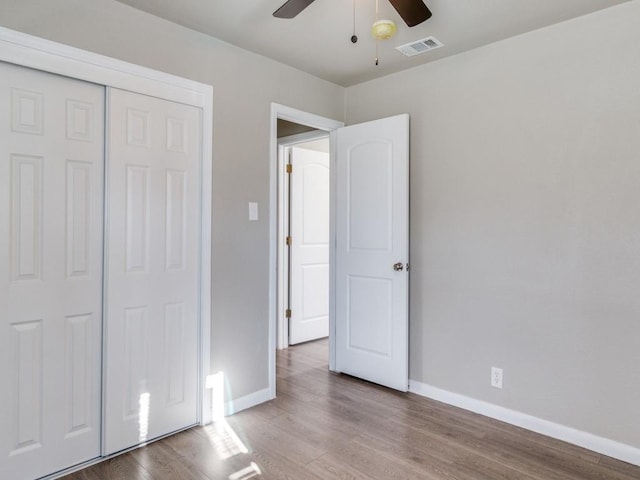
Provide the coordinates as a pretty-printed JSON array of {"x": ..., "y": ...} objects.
[
  {"x": 51, "y": 211},
  {"x": 309, "y": 278},
  {"x": 152, "y": 277},
  {"x": 370, "y": 176},
  {"x": 372, "y": 227}
]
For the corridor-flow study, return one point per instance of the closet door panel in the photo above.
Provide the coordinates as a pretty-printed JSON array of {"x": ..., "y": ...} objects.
[
  {"x": 51, "y": 217},
  {"x": 152, "y": 268}
]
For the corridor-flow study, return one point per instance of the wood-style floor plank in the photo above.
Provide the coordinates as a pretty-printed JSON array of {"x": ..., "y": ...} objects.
[{"x": 324, "y": 426}]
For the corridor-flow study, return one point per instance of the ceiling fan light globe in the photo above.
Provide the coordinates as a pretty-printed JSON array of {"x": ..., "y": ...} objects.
[{"x": 383, "y": 29}]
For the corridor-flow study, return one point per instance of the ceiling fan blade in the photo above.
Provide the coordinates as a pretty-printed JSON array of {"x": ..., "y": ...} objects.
[
  {"x": 291, "y": 8},
  {"x": 412, "y": 12}
]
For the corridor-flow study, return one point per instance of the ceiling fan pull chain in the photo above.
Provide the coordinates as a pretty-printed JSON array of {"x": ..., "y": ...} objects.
[
  {"x": 354, "y": 37},
  {"x": 377, "y": 42}
]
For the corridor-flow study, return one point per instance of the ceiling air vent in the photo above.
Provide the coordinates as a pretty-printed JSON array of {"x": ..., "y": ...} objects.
[{"x": 419, "y": 46}]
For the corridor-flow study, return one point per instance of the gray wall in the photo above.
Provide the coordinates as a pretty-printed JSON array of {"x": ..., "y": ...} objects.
[
  {"x": 244, "y": 86},
  {"x": 525, "y": 220}
]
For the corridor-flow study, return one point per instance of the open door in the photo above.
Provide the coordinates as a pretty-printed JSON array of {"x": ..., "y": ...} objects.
[
  {"x": 309, "y": 245},
  {"x": 372, "y": 251}
]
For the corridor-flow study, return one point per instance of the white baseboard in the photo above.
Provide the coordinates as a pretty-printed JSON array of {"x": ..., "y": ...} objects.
[
  {"x": 248, "y": 401},
  {"x": 602, "y": 445}
]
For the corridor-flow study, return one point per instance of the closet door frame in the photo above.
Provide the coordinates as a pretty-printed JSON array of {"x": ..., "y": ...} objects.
[{"x": 29, "y": 51}]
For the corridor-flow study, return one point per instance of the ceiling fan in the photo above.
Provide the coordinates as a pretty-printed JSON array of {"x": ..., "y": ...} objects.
[{"x": 413, "y": 12}]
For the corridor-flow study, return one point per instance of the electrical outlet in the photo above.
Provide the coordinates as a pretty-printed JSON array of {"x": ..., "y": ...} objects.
[{"x": 496, "y": 377}]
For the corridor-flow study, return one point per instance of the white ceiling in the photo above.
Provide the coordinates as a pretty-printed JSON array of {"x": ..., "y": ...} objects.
[{"x": 318, "y": 40}]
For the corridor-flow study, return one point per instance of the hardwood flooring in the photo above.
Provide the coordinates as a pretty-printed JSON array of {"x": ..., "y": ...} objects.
[{"x": 333, "y": 427}]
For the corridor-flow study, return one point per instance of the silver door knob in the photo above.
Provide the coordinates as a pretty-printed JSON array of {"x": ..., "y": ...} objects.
[{"x": 398, "y": 267}]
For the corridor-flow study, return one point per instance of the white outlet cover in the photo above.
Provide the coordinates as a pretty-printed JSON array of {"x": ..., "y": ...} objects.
[{"x": 496, "y": 377}]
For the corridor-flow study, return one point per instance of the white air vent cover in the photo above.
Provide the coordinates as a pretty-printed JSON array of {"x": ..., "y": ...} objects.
[{"x": 419, "y": 46}]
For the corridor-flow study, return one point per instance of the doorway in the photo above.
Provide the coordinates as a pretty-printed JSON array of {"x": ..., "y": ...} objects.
[
  {"x": 296, "y": 125},
  {"x": 369, "y": 250}
]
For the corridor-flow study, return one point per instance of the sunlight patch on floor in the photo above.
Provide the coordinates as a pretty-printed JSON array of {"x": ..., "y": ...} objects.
[
  {"x": 223, "y": 438},
  {"x": 246, "y": 473},
  {"x": 225, "y": 441}
]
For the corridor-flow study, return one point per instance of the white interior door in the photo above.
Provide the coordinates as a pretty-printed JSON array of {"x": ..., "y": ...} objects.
[
  {"x": 51, "y": 207},
  {"x": 309, "y": 229},
  {"x": 152, "y": 268},
  {"x": 372, "y": 251}
]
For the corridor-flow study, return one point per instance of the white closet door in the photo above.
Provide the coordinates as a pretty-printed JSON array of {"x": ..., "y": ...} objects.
[
  {"x": 51, "y": 190},
  {"x": 152, "y": 268}
]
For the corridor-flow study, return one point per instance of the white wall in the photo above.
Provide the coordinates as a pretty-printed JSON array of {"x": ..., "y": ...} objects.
[
  {"x": 525, "y": 220},
  {"x": 244, "y": 86}
]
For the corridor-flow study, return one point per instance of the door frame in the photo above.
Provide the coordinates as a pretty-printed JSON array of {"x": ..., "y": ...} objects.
[
  {"x": 284, "y": 146},
  {"x": 26, "y": 50},
  {"x": 330, "y": 126}
]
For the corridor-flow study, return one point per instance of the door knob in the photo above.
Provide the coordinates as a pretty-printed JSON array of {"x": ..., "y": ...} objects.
[{"x": 398, "y": 267}]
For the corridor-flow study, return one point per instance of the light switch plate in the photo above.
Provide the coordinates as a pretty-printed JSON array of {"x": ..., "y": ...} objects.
[{"x": 253, "y": 211}]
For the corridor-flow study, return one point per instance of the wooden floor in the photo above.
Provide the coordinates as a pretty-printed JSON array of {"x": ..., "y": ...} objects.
[{"x": 328, "y": 426}]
